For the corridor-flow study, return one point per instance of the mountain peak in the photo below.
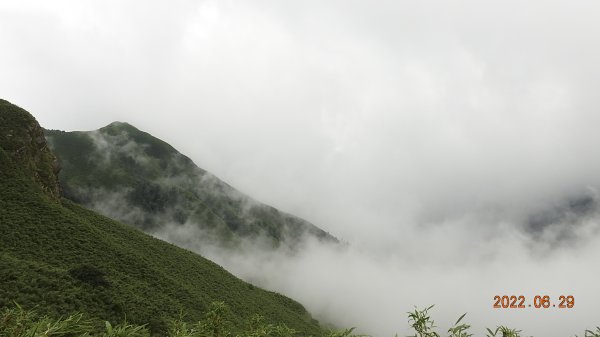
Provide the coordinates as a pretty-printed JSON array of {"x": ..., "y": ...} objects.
[{"x": 117, "y": 126}]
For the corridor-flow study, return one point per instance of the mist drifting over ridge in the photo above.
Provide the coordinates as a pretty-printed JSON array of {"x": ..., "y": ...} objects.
[{"x": 449, "y": 142}]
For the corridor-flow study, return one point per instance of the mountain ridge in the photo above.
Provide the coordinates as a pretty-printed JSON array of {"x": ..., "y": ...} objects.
[{"x": 156, "y": 186}]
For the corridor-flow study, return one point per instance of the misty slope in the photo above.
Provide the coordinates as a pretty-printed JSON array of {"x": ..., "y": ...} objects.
[
  {"x": 133, "y": 177},
  {"x": 62, "y": 258}
]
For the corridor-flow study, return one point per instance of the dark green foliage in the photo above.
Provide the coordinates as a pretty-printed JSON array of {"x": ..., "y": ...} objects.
[
  {"x": 503, "y": 331},
  {"x": 152, "y": 197},
  {"x": 590, "y": 333},
  {"x": 90, "y": 275},
  {"x": 344, "y": 333},
  {"x": 422, "y": 323},
  {"x": 460, "y": 330},
  {"x": 159, "y": 185},
  {"x": 62, "y": 258},
  {"x": 125, "y": 330}
]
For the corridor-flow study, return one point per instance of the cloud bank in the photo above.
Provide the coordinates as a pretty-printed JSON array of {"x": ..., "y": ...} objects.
[{"x": 458, "y": 266}]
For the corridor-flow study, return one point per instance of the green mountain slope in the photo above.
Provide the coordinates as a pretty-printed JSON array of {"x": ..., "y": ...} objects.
[
  {"x": 62, "y": 258},
  {"x": 133, "y": 177}
]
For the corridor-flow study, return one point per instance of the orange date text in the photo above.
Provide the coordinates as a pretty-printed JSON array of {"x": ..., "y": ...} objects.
[{"x": 537, "y": 301}]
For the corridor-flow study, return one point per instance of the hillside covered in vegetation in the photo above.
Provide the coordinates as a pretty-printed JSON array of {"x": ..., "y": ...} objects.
[
  {"x": 62, "y": 258},
  {"x": 133, "y": 177}
]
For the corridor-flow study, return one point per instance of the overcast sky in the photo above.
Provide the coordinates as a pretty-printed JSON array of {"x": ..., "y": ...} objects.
[{"x": 374, "y": 120}]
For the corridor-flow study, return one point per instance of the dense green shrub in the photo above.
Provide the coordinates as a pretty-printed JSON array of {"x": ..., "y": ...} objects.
[{"x": 90, "y": 275}]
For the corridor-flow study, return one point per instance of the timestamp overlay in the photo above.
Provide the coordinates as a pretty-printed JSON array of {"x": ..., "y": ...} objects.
[{"x": 538, "y": 301}]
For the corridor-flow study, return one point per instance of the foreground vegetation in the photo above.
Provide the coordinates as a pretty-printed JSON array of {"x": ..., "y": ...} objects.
[
  {"x": 17, "y": 322},
  {"x": 423, "y": 325}
]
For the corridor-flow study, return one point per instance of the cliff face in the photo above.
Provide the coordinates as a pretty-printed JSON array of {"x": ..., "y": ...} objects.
[{"x": 22, "y": 139}]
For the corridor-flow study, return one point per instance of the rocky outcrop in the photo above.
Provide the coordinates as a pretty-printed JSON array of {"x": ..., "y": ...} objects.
[{"x": 22, "y": 139}]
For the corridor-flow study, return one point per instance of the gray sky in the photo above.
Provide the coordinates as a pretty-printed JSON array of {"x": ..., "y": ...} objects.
[{"x": 390, "y": 124}]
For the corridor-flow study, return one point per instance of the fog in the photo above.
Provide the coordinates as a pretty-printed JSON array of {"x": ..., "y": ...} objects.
[
  {"x": 458, "y": 266},
  {"x": 452, "y": 144}
]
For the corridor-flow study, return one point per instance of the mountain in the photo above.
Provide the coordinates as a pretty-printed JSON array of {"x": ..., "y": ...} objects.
[
  {"x": 60, "y": 257},
  {"x": 133, "y": 177}
]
